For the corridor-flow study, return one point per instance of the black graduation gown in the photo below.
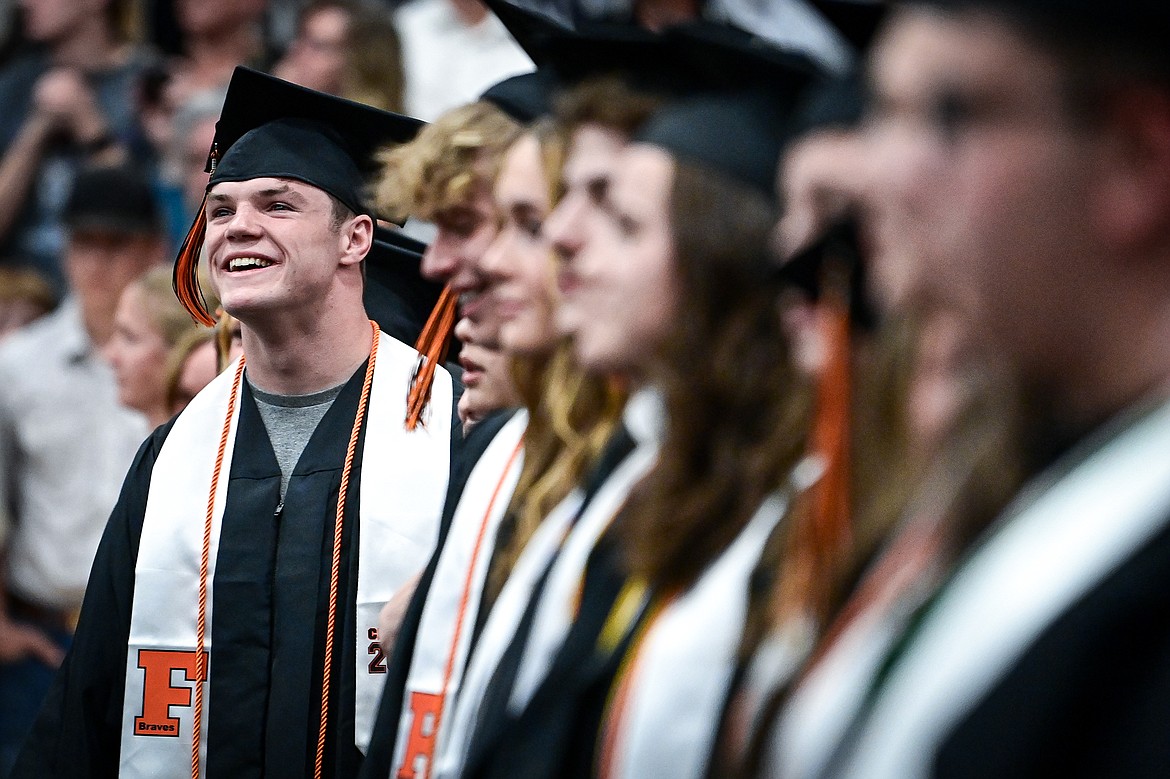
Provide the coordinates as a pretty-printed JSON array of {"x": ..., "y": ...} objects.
[
  {"x": 555, "y": 736},
  {"x": 271, "y": 584},
  {"x": 380, "y": 753},
  {"x": 1091, "y": 695}
]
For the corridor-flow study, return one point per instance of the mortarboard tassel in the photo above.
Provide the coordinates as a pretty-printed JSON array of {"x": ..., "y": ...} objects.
[
  {"x": 830, "y": 530},
  {"x": 432, "y": 348},
  {"x": 186, "y": 278}
]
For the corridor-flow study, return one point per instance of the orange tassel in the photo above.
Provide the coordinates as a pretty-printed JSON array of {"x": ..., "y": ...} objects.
[
  {"x": 830, "y": 530},
  {"x": 186, "y": 276},
  {"x": 432, "y": 348}
]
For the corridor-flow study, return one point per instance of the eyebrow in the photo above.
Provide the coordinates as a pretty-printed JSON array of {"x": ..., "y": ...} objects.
[{"x": 282, "y": 190}]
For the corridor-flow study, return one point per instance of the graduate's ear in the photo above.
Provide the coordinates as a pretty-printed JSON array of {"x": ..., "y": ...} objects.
[
  {"x": 1132, "y": 208},
  {"x": 356, "y": 235}
]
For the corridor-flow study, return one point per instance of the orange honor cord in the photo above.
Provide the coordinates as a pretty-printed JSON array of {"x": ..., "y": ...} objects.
[
  {"x": 204, "y": 567},
  {"x": 432, "y": 348},
  {"x": 449, "y": 670},
  {"x": 335, "y": 569}
]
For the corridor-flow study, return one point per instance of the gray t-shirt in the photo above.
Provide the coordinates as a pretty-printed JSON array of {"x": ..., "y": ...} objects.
[{"x": 290, "y": 421}]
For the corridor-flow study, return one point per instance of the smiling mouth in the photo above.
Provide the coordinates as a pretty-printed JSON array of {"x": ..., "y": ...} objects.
[{"x": 247, "y": 263}]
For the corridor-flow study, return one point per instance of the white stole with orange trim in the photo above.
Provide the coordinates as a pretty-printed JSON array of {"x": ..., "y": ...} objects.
[
  {"x": 663, "y": 720},
  {"x": 645, "y": 419},
  {"x": 452, "y": 604},
  {"x": 400, "y": 507}
]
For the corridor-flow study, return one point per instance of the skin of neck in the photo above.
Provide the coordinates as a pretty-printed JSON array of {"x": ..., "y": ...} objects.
[{"x": 303, "y": 352}]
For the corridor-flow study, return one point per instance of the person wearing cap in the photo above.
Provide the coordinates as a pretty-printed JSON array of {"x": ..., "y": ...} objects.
[
  {"x": 65, "y": 441},
  {"x": 230, "y": 624},
  {"x": 1027, "y": 138}
]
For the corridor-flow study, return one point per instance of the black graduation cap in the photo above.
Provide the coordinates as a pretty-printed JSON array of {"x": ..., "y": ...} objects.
[
  {"x": 738, "y": 119},
  {"x": 836, "y": 251},
  {"x": 396, "y": 295},
  {"x": 272, "y": 127},
  {"x": 531, "y": 25},
  {"x": 525, "y": 97},
  {"x": 739, "y": 136},
  {"x": 1146, "y": 20},
  {"x": 857, "y": 20}
]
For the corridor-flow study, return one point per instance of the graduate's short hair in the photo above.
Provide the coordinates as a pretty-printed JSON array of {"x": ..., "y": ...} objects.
[
  {"x": 607, "y": 101},
  {"x": 445, "y": 163}
]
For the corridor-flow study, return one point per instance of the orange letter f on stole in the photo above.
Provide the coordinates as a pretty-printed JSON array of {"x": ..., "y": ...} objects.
[
  {"x": 420, "y": 749},
  {"x": 159, "y": 693}
]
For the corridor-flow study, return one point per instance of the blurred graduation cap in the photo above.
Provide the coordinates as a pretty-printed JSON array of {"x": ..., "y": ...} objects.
[
  {"x": 525, "y": 97},
  {"x": 396, "y": 295},
  {"x": 272, "y": 128},
  {"x": 857, "y": 20},
  {"x": 834, "y": 259},
  {"x": 1141, "y": 22},
  {"x": 737, "y": 120}
]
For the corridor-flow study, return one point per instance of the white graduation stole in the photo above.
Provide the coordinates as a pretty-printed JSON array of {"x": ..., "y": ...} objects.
[
  {"x": 662, "y": 722},
  {"x": 400, "y": 507},
  {"x": 452, "y": 603},
  {"x": 455, "y": 736},
  {"x": 1051, "y": 549},
  {"x": 565, "y": 545}
]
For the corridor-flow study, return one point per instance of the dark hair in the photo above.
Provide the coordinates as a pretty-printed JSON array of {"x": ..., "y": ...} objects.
[
  {"x": 738, "y": 410},
  {"x": 1100, "y": 47},
  {"x": 606, "y": 101}
]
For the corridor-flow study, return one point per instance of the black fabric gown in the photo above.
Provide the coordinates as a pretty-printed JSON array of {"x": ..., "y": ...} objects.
[
  {"x": 270, "y": 603},
  {"x": 1090, "y": 697}
]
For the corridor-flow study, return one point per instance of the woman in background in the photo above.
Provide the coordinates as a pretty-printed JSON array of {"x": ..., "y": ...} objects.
[{"x": 149, "y": 322}]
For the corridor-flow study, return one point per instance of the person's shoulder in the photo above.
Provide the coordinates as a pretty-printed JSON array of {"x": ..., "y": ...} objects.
[{"x": 28, "y": 346}]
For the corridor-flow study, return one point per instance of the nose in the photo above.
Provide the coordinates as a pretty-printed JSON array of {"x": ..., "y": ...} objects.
[
  {"x": 244, "y": 224},
  {"x": 493, "y": 262},
  {"x": 440, "y": 259},
  {"x": 563, "y": 228}
]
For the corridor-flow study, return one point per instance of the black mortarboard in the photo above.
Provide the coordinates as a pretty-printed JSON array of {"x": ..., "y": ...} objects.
[
  {"x": 736, "y": 129},
  {"x": 1142, "y": 23},
  {"x": 837, "y": 250},
  {"x": 857, "y": 20},
  {"x": 738, "y": 136},
  {"x": 271, "y": 127},
  {"x": 525, "y": 97},
  {"x": 397, "y": 297}
]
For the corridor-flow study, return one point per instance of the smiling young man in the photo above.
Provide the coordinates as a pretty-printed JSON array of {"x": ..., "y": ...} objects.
[{"x": 245, "y": 528}]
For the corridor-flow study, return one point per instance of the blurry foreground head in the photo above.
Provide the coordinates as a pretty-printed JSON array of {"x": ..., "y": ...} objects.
[{"x": 1028, "y": 138}]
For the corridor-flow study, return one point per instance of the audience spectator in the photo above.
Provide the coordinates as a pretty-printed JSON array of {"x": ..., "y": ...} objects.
[
  {"x": 148, "y": 324},
  {"x": 217, "y": 35},
  {"x": 191, "y": 366},
  {"x": 347, "y": 49},
  {"x": 69, "y": 101},
  {"x": 452, "y": 50},
  {"x": 65, "y": 442},
  {"x": 25, "y": 295}
]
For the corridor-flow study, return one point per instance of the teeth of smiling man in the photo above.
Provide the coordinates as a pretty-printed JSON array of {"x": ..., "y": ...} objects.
[{"x": 247, "y": 263}]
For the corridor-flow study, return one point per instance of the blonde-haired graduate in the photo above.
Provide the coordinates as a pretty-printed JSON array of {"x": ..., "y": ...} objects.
[{"x": 531, "y": 468}]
